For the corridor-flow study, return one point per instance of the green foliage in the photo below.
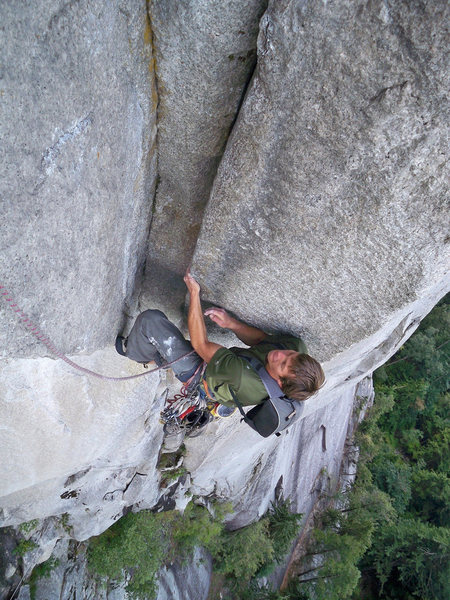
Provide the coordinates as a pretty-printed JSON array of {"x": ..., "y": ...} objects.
[
  {"x": 283, "y": 527},
  {"x": 45, "y": 569},
  {"x": 24, "y": 546},
  {"x": 171, "y": 465},
  {"x": 436, "y": 444},
  {"x": 135, "y": 545},
  {"x": 336, "y": 580},
  {"x": 64, "y": 522},
  {"x": 430, "y": 497},
  {"x": 365, "y": 509},
  {"x": 425, "y": 356},
  {"x": 394, "y": 478},
  {"x": 367, "y": 434},
  {"x": 174, "y": 473},
  {"x": 28, "y": 527},
  {"x": 340, "y": 541},
  {"x": 139, "y": 544},
  {"x": 394, "y": 527},
  {"x": 409, "y": 399},
  {"x": 254, "y": 551},
  {"x": 195, "y": 527},
  {"x": 414, "y": 555},
  {"x": 409, "y": 459},
  {"x": 41, "y": 571},
  {"x": 256, "y": 592},
  {"x": 411, "y": 441},
  {"x": 245, "y": 550}
]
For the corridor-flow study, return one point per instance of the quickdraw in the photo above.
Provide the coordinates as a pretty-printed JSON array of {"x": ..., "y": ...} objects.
[{"x": 189, "y": 410}]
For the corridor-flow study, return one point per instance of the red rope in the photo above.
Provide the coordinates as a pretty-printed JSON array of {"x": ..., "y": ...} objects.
[{"x": 45, "y": 340}]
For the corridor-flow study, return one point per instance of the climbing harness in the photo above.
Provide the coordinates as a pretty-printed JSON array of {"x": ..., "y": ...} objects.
[
  {"x": 193, "y": 408},
  {"x": 26, "y": 321},
  {"x": 188, "y": 411}
]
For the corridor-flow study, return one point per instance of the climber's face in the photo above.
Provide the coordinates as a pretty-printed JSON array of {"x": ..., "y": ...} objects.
[{"x": 278, "y": 363}]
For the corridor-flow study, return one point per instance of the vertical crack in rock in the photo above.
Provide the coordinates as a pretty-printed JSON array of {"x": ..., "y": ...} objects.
[
  {"x": 148, "y": 172},
  {"x": 149, "y": 40},
  {"x": 205, "y": 57},
  {"x": 241, "y": 101}
]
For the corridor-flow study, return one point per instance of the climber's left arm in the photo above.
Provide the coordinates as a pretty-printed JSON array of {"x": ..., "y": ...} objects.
[{"x": 196, "y": 323}]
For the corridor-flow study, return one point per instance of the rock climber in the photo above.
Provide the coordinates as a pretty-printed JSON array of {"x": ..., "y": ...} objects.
[{"x": 214, "y": 368}]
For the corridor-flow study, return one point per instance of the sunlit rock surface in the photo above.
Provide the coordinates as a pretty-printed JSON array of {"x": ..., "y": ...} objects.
[
  {"x": 329, "y": 209},
  {"x": 78, "y": 169},
  {"x": 76, "y": 444},
  {"x": 326, "y": 218}
]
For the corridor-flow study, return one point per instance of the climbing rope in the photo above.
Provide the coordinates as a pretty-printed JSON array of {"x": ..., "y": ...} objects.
[{"x": 26, "y": 321}]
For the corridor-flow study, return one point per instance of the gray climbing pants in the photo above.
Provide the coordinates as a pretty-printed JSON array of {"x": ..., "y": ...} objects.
[{"x": 154, "y": 337}]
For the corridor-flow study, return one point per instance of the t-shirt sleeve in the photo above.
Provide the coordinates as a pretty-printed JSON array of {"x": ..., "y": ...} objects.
[
  {"x": 291, "y": 342},
  {"x": 226, "y": 367}
]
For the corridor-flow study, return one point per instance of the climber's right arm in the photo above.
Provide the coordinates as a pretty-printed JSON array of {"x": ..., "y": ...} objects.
[{"x": 246, "y": 333}]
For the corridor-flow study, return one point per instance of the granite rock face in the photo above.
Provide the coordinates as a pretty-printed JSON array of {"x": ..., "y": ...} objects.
[
  {"x": 205, "y": 52},
  {"x": 78, "y": 167},
  {"x": 184, "y": 582},
  {"x": 328, "y": 212},
  {"x": 246, "y": 469},
  {"x": 230, "y": 461},
  {"x": 78, "y": 128},
  {"x": 71, "y": 579},
  {"x": 77, "y": 445},
  {"x": 326, "y": 218}
]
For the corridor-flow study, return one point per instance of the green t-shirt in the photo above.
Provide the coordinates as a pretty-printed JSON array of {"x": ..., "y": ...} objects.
[{"x": 227, "y": 369}]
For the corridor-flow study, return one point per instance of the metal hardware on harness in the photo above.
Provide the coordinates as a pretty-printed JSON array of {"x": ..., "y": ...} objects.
[
  {"x": 187, "y": 414},
  {"x": 45, "y": 340},
  {"x": 189, "y": 410}
]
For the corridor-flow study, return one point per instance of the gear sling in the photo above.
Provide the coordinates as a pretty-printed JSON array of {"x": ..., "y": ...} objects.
[{"x": 274, "y": 414}]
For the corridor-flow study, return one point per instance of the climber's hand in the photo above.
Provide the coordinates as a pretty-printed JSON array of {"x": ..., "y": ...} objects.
[
  {"x": 220, "y": 317},
  {"x": 191, "y": 284}
]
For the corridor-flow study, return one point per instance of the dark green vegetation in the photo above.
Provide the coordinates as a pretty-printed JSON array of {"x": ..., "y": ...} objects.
[
  {"x": 139, "y": 544},
  {"x": 406, "y": 455},
  {"x": 388, "y": 537},
  {"x": 25, "y": 546},
  {"x": 28, "y": 526},
  {"x": 41, "y": 571}
]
